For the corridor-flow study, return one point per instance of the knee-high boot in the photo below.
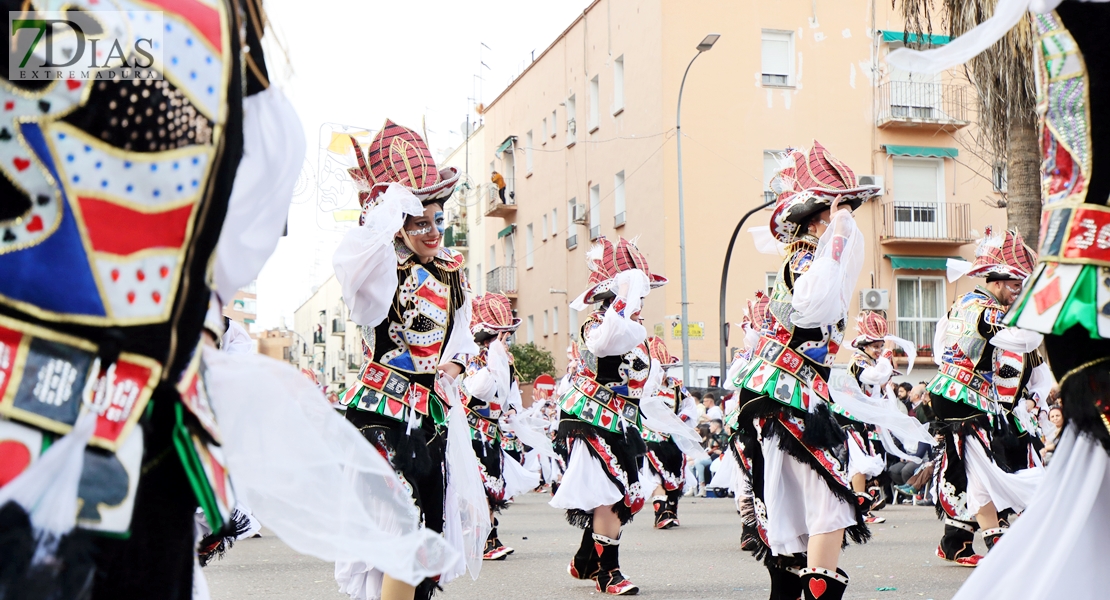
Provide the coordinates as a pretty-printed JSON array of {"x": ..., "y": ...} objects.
[
  {"x": 585, "y": 564},
  {"x": 956, "y": 545},
  {"x": 823, "y": 584},
  {"x": 786, "y": 582},
  {"x": 610, "y": 580}
]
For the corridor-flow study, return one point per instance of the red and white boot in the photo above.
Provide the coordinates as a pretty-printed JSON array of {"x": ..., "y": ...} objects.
[{"x": 609, "y": 579}]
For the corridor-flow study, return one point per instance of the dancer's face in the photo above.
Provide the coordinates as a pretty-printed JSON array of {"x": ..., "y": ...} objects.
[{"x": 423, "y": 233}]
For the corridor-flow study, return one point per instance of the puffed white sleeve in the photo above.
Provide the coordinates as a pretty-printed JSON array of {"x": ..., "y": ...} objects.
[
  {"x": 492, "y": 380},
  {"x": 823, "y": 293},
  {"x": 617, "y": 333},
  {"x": 481, "y": 384},
  {"x": 365, "y": 262},
  {"x": 879, "y": 373},
  {"x": 1040, "y": 384}
]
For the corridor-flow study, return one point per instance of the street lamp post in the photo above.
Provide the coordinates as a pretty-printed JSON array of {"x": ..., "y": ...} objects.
[
  {"x": 724, "y": 288},
  {"x": 704, "y": 46}
]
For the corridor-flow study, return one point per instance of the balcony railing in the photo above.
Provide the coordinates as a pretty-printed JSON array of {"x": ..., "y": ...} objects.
[
  {"x": 338, "y": 327},
  {"x": 455, "y": 236},
  {"x": 943, "y": 222},
  {"x": 913, "y": 104},
  {"x": 318, "y": 338},
  {"x": 502, "y": 280},
  {"x": 496, "y": 208}
]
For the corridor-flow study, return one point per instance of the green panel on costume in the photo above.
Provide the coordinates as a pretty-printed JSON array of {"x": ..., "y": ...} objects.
[
  {"x": 925, "y": 151},
  {"x": 770, "y": 384},
  {"x": 919, "y": 263}
]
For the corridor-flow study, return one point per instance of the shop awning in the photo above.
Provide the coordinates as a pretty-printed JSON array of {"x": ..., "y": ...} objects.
[
  {"x": 506, "y": 231},
  {"x": 919, "y": 263},
  {"x": 505, "y": 145},
  {"x": 900, "y": 36},
  {"x": 928, "y": 151}
]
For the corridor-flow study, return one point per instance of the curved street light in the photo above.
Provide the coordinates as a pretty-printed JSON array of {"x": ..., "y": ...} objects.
[{"x": 724, "y": 289}]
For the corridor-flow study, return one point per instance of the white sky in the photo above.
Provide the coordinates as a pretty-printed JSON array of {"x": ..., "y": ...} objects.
[{"x": 356, "y": 63}]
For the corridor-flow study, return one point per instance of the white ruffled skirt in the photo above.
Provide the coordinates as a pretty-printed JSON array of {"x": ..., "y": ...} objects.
[
  {"x": 1058, "y": 547},
  {"x": 987, "y": 482},
  {"x": 586, "y": 484},
  {"x": 859, "y": 461}
]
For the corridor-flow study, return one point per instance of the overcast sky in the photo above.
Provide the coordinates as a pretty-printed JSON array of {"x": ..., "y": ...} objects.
[{"x": 356, "y": 63}]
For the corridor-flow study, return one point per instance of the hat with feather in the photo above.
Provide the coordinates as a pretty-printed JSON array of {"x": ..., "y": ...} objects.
[{"x": 808, "y": 184}]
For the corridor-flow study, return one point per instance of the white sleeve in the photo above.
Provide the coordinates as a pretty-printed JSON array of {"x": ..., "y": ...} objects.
[
  {"x": 1017, "y": 340},
  {"x": 273, "y": 152},
  {"x": 938, "y": 340},
  {"x": 822, "y": 294},
  {"x": 481, "y": 385},
  {"x": 616, "y": 334},
  {"x": 878, "y": 374},
  {"x": 461, "y": 345},
  {"x": 733, "y": 371},
  {"x": 365, "y": 262},
  {"x": 236, "y": 340},
  {"x": 1040, "y": 384}
]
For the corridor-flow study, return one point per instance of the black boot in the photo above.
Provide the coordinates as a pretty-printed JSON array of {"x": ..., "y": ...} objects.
[
  {"x": 585, "y": 565},
  {"x": 494, "y": 549},
  {"x": 609, "y": 579},
  {"x": 672, "y": 505},
  {"x": 956, "y": 545},
  {"x": 660, "y": 505},
  {"x": 991, "y": 536},
  {"x": 786, "y": 583},
  {"x": 823, "y": 584}
]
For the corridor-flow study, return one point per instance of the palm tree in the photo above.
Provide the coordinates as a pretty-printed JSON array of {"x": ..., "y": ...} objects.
[{"x": 1003, "y": 80}]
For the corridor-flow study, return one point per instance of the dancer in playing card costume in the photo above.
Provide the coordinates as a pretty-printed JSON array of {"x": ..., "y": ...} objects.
[
  {"x": 972, "y": 347},
  {"x": 665, "y": 462},
  {"x": 801, "y": 507},
  {"x": 600, "y": 417},
  {"x": 116, "y": 195},
  {"x": 489, "y": 391},
  {"x": 409, "y": 296},
  {"x": 1066, "y": 300}
]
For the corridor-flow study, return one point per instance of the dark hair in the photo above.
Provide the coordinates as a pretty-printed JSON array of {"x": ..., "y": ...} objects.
[
  {"x": 696, "y": 395},
  {"x": 710, "y": 397},
  {"x": 906, "y": 386}
]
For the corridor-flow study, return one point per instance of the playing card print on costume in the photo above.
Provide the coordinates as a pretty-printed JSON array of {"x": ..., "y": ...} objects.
[
  {"x": 108, "y": 486},
  {"x": 20, "y": 447}
]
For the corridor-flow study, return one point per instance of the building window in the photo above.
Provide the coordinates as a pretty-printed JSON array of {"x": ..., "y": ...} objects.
[
  {"x": 544, "y": 227},
  {"x": 770, "y": 168},
  {"x": 618, "y": 199},
  {"x": 554, "y": 222},
  {"x": 572, "y": 121},
  {"x": 618, "y": 85},
  {"x": 572, "y": 320},
  {"x": 999, "y": 176},
  {"x": 528, "y": 152},
  {"x": 543, "y": 138},
  {"x": 554, "y": 123},
  {"x": 529, "y": 246},
  {"x": 920, "y": 305},
  {"x": 769, "y": 280},
  {"x": 545, "y": 314},
  {"x": 555, "y": 320},
  {"x": 595, "y": 212},
  {"x": 595, "y": 90},
  {"x": 919, "y": 209},
  {"x": 531, "y": 329},
  {"x": 778, "y": 58}
]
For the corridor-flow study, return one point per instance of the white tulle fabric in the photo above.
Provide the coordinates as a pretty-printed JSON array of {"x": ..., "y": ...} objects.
[
  {"x": 661, "y": 418},
  {"x": 1017, "y": 340},
  {"x": 765, "y": 243},
  {"x": 615, "y": 335},
  {"x": 908, "y": 348},
  {"x": 492, "y": 380},
  {"x": 585, "y": 485},
  {"x": 466, "y": 508},
  {"x": 881, "y": 411},
  {"x": 1059, "y": 544},
  {"x": 1040, "y": 384},
  {"x": 859, "y": 461},
  {"x": 365, "y": 262},
  {"x": 273, "y": 152},
  {"x": 987, "y": 482},
  {"x": 530, "y": 431},
  {"x": 879, "y": 373},
  {"x": 938, "y": 340},
  {"x": 823, "y": 293},
  {"x": 518, "y": 480},
  {"x": 311, "y": 476}
]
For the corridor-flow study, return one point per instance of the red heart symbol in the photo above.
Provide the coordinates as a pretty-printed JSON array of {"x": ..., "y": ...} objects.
[
  {"x": 817, "y": 587},
  {"x": 35, "y": 224},
  {"x": 9, "y": 105},
  {"x": 21, "y": 163},
  {"x": 115, "y": 274},
  {"x": 394, "y": 406},
  {"x": 73, "y": 84},
  {"x": 164, "y": 272},
  {"x": 130, "y": 297},
  {"x": 156, "y": 296},
  {"x": 14, "y": 458},
  {"x": 140, "y": 275},
  {"x": 606, "y": 418}
]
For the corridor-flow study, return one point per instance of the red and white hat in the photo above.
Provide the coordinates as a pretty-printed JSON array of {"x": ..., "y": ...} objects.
[
  {"x": 872, "y": 328},
  {"x": 606, "y": 259},
  {"x": 757, "y": 312},
  {"x": 492, "y": 314},
  {"x": 399, "y": 155},
  {"x": 808, "y": 185},
  {"x": 1003, "y": 256},
  {"x": 657, "y": 349}
]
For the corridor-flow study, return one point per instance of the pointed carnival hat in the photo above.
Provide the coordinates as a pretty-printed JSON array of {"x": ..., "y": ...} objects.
[
  {"x": 872, "y": 328},
  {"x": 398, "y": 154},
  {"x": 606, "y": 259},
  {"x": 492, "y": 314},
  {"x": 1002, "y": 256},
  {"x": 657, "y": 349},
  {"x": 757, "y": 312},
  {"x": 807, "y": 185}
]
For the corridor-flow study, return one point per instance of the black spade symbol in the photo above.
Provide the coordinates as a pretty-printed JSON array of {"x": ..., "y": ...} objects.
[
  {"x": 42, "y": 199},
  {"x": 44, "y": 106},
  {"x": 5, "y": 134},
  {"x": 9, "y": 236},
  {"x": 103, "y": 482}
]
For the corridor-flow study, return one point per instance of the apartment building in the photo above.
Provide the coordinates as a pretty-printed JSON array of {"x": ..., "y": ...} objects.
[
  {"x": 326, "y": 342},
  {"x": 466, "y": 206},
  {"x": 585, "y": 138},
  {"x": 243, "y": 307}
]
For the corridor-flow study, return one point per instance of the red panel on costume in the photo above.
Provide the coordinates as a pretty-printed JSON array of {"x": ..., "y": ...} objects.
[
  {"x": 9, "y": 346},
  {"x": 204, "y": 18},
  {"x": 426, "y": 351},
  {"x": 127, "y": 389},
  {"x": 429, "y": 295},
  {"x": 118, "y": 230}
]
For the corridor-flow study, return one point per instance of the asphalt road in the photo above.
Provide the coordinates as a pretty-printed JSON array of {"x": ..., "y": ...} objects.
[{"x": 699, "y": 560}]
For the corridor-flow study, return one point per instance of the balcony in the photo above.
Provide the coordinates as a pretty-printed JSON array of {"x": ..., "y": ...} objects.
[
  {"x": 455, "y": 236},
  {"x": 338, "y": 327},
  {"x": 926, "y": 222},
  {"x": 318, "y": 338},
  {"x": 933, "y": 106},
  {"x": 496, "y": 208},
  {"x": 502, "y": 280}
]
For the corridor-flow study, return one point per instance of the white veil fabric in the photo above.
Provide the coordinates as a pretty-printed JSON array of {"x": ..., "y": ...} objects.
[
  {"x": 881, "y": 412},
  {"x": 822, "y": 294},
  {"x": 659, "y": 417}
]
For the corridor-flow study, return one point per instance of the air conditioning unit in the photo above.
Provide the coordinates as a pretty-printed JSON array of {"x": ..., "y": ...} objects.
[
  {"x": 580, "y": 215},
  {"x": 618, "y": 219},
  {"x": 874, "y": 299},
  {"x": 875, "y": 180}
]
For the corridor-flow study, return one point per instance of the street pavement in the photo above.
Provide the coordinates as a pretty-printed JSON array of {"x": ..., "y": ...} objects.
[{"x": 700, "y": 560}]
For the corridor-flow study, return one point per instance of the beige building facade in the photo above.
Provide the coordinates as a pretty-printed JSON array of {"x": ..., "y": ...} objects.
[
  {"x": 585, "y": 138},
  {"x": 325, "y": 341},
  {"x": 465, "y": 209}
]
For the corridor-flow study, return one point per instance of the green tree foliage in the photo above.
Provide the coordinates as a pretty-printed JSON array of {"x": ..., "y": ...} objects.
[{"x": 531, "y": 361}]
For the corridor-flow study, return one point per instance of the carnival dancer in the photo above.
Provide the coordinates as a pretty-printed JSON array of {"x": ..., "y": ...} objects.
[
  {"x": 665, "y": 462},
  {"x": 488, "y": 388},
  {"x": 801, "y": 507},
  {"x": 600, "y": 417},
  {"x": 1064, "y": 299},
  {"x": 409, "y": 296}
]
